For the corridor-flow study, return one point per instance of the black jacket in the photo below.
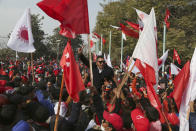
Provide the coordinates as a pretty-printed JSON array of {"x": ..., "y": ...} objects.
[{"x": 98, "y": 78}]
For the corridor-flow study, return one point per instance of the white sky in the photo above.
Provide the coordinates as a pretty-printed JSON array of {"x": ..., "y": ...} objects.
[{"x": 12, "y": 10}]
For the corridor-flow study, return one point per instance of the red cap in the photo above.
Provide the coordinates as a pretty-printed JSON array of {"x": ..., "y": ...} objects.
[
  {"x": 3, "y": 73},
  {"x": 114, "y": 119},
  {"x": 89, "y": 84},
  {"x": 142, "y": 89},
  {"x": 3, "y": 83},
  {"x": 140, "y": 122}
]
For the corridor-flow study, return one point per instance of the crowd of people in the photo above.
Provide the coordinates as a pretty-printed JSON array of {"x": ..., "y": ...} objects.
[{"x": 29, "y": 99}]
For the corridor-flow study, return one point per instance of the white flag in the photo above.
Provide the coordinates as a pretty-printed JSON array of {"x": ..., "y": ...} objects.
[
  {"x": 109, "y": 61},
  {"x": 124, "y": 36},
  {"x": 116, "y": 27},
  {"x": 142, "y": 15},
  {"x": 162, "y": 59},
  {"x": 188, "y": 95},
  {"x": 135, "y": 69},
  {"x": 21, "y": 39},
  {"x": 174, "y": 69},
  {"x": 145, "y": 49},
  {"x": 144, "y": 18}
]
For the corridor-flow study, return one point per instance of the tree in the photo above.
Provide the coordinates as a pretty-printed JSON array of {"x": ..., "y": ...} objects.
[
  {"x": 39, "y": 36},
  {"x": 57, "y": 43},
  {"x": 181, "y": 34}
]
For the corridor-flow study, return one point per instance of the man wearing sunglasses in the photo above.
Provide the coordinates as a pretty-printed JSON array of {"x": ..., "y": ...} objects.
[{"x": 100, "y": 70}]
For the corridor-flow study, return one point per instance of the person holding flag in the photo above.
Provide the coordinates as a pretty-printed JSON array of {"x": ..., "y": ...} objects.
[{"x": 100, "y": 70}]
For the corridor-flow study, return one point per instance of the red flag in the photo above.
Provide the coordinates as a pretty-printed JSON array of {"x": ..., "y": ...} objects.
[
  {"x": 133, "y": 25},
  {"x": 72, "y": 76},
  {"x": 98, "y": 36},
  {"x": 149, "y": 76},
  {"x": 180, "y": 83},
  {"x": 128, "y": 31},
  {"x": 91, "y": 43},
  {"x": 72, "y": 14},
  {"x": 176, "y": 57},
  {"x": 167, "y": 14}
]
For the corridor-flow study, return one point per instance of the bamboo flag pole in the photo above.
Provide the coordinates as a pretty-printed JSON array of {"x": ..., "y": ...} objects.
[
  {"x": 164, "y": 38},
  {"x": 90, "y": 61},
  {"x": 101, "y": 44},
  {"x": 121, "y": 57},
  {"x": 59, "y": 104},
  {"x": 32, "y": 67},
  {"x": 110, "y": 43}
]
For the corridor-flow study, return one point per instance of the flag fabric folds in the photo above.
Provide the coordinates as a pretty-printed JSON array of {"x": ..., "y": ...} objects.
[
  {"x": 72, "y": 14},
  {"x": 129, "y": 32},
  {"x": 21, "y": 39},
  {"x": 98, "y": 36},
  {"x": 162, "y": 59},
  {"x": 71, "y": 72},
  {"x": 176, "y": 57},
  {"x": 167, "y": 14},
  {"x": 133, "y": 25},
  {"x": 146, "y": 54},
  {"x": 174, "y": 69},
  {"x": 180, "y": 83},
  {"x": 188, "y": 95}
]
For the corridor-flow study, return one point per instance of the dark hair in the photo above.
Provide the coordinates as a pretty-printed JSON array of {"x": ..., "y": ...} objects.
[
  {"x": 16, "y": 99},
  {"x": 7, "y": 114},
  {"x": 100, "y": 56},
  {"x": 41, "y": 114},
  {"x": 25, "y": 90},
  {"x": 127, "y": 121},
  {"x": 152, "y": 113}
]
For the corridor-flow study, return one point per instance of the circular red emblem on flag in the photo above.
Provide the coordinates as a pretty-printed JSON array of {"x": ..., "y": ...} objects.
[{"x": 23, "y": 34}]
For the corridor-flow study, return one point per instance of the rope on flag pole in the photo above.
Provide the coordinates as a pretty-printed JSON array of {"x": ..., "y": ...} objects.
[
  {"x": 59, "y": 104},
  {"x": 90, "y": 60}
]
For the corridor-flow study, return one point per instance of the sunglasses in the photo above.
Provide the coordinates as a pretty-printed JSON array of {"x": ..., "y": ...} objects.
[{"x": 101, "y": 61}]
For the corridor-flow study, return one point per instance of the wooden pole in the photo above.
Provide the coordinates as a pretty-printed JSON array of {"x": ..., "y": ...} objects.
[
  {"x": 32, "y": 67},
  {"x": 90, "y": 61},
  {"x": 59, "y": 104}
]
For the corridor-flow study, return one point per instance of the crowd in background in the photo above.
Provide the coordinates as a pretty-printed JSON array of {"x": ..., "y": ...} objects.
[{"x": 29, "y": 99}]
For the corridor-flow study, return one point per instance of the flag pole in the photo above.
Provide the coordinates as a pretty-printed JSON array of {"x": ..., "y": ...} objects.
[
  {"x": 110, "y": 43},
  {"x": 90, "y": 61},
  {"x": 101, "y": 44},
  {"x": 121, "y": 58},
  {"x": 59, "y": 104},
  {"x": 164, "y": 38},
  {"x": 32, "y": 67},
  {"x": 16, "y": 55}
]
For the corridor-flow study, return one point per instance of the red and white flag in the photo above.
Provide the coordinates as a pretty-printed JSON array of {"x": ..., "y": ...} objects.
[
  {"x": 72, "y": 14},
  {"x": 146, "y": 54},
  {"x": 188, "y": 95},
  {"x": 71, "y": 72},
  {"x": 21, "y": 39},
  {"x": 167, "y": 14},
  {"x": 176, "y": 57},
  {"x": 128, "y": 31},
  {"x": 174, "y": 69},
  {"x": 142, "y": 15},
  {"x": 133, "y": 25},
  {"x": 180, "y": 84},
  {"x": 98, "y": 36},
  {"x": 162, "y": 59}
]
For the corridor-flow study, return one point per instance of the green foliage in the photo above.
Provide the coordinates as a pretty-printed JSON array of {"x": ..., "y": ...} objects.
[
  {"x": 39, "y": 36},
  {"x": 180, "y": 35},
  {"x": 57, "y": 42}
]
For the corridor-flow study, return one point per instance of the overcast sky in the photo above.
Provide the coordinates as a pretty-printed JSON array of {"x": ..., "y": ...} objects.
[{"x": 12, "y": 10}]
